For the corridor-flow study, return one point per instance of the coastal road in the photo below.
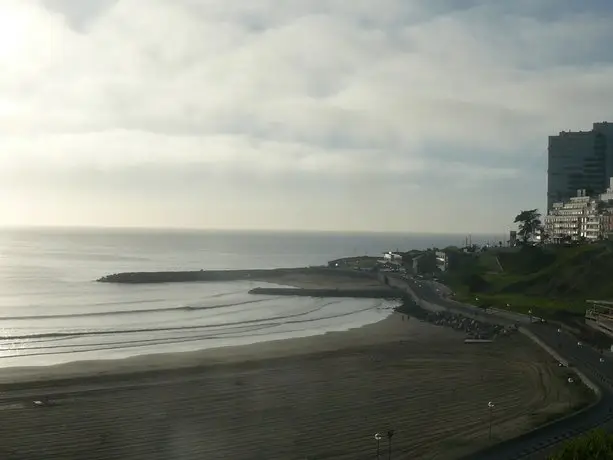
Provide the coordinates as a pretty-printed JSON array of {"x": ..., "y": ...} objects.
[{"x": 539, "y": 443}]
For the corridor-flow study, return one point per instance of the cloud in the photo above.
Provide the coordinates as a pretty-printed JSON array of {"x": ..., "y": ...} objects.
[{"x": 350, "y": 110}]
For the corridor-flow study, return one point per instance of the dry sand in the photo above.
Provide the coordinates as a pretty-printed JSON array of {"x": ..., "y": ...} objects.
[{"x": 319, "y": 397}]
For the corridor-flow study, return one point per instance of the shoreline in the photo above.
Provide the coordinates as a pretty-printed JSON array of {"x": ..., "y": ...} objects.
[
  {"x": 393, "y": 371},
  {"x": 404, "y": 318},
  {"x": 189, "y": 361},
  {"x": 297, "y": 280},
  {"x": 355, "y": 293},
  {"x": 290, "y": 282},
  {"x": 397, "y": 370}
]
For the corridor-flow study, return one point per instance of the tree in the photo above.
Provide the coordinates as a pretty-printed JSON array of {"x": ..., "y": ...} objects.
[
  {"x": 594, "y": 445},
  {"x": 427, "y": 262},
  {"x": 529, "y": 223}
]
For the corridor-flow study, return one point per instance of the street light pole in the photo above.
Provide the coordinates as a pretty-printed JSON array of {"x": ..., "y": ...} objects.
[
  {"x": 378, "y": 439},
  {"x": 490, "y": 405},
  {"x": 390, "y": 433}
]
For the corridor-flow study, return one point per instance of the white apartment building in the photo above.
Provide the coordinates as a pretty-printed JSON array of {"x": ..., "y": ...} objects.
[{"x": 575, "y": 219}]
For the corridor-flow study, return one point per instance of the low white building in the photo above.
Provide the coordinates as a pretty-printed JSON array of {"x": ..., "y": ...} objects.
[
  {"x": 391, "y": 257},
  {"x": 442, "y": 261},
  {"x": 390, "y": 261}
]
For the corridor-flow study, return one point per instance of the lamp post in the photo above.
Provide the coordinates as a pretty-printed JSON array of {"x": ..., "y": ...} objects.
[
  {"x": 571, "y": 381},
  {"x": 559, "y": 338},
  {"x": 530, "y": 313},
  {"x": 490, "y": 406},
  {"x": 378, "y": 439},
  {"x": 390, "y": 433}
]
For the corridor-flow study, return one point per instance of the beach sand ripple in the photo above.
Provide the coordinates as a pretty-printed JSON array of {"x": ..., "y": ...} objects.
[{"x": 318, "y": 397}]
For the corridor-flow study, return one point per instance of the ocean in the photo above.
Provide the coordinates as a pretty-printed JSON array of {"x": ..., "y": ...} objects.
[{"x": 52, "y": 311}]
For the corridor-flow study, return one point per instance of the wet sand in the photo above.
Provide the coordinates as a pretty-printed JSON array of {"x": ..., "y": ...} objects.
[{"x": 320, "y": 397}]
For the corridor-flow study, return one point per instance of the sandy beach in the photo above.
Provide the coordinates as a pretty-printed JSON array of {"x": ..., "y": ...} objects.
[{"x": 320, "y": 397}]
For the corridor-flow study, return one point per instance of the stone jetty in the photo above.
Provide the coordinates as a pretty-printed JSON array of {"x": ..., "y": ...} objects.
[
  {"x": 183, "y": 276},
  {"x": 231, "y": 275}
]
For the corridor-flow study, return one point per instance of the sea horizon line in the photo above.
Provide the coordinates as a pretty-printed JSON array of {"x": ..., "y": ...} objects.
[{"x": 170, "y": 229}]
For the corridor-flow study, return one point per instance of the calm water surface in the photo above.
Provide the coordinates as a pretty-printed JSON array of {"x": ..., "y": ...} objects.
[{"x": 52, "y": 311}]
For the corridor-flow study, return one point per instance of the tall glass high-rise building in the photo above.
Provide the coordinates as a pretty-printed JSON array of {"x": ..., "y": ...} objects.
[{"x": 579, "y": 160}]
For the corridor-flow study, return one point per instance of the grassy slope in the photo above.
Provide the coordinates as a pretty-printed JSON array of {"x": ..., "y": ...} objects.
[{"x": 542, "y": 279}]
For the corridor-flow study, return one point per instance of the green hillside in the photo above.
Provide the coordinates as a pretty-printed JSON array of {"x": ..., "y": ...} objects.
[{"x": 558, "y": 278}]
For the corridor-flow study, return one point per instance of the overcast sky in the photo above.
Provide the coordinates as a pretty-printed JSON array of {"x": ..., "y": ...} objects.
[{"x": 383, "y": 115}]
